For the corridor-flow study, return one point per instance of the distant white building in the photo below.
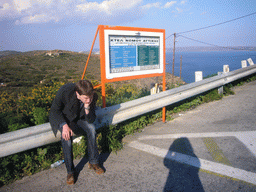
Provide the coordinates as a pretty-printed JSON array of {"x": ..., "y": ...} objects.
[
  {"x": 49, "y": 54},
  {"x": 52, "y": 54}
]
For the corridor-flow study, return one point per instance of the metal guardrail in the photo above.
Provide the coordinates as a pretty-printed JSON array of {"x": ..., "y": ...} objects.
[{"x": 32, "y": 137}]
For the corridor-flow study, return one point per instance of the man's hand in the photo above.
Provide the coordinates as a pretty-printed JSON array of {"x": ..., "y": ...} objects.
[
  {"x": 87, "y": 105},
  {"x": 66, "y": 132},
  {"x": 86, "y": 101},
  {"x": 86, "y": 108}
]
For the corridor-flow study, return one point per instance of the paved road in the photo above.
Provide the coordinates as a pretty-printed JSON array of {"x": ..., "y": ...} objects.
[{"x": 210, "y": 148}]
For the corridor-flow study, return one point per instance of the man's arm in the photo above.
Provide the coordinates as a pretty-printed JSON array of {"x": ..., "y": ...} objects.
[
  {"x": 90, "y": 111},
  {"x": 56, "y": 113}
]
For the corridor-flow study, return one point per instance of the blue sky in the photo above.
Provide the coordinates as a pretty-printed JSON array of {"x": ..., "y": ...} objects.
[{"x": 27, "y": 25}]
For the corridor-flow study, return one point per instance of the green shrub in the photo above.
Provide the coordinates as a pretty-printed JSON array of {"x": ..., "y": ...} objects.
[
  {"x": 3, "y": 123},
  {"x": 17, "y": 126},
  {"x": 40, "y": 116},
  {"x": 79, "y": 149},
  {"x": 12, "y": 121},
  {"x": 43, "y": 161},
  {"x": 109, "y": 138},
  {"x": 211, "y": 96},
  {"x": 227, "y": 90},
  {"x": 29, "y": 165},
  {"x": 16, "y": 166}
]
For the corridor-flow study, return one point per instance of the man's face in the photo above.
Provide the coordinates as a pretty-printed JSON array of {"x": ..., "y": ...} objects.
[{"x": 84, "y": 98}]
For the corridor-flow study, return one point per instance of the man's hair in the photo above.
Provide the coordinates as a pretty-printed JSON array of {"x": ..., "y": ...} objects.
[{"x": 84, "y": 87}]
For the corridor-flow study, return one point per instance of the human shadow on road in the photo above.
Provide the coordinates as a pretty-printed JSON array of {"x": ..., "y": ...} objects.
[{"x": 182, "y": 177}]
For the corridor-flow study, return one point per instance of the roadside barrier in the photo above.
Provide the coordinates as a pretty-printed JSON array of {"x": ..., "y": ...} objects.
[{"x": 36, "y": 136}]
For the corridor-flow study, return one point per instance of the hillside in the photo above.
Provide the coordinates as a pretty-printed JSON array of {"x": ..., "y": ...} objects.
[
  {"x": 5, "y": 53},
  {"x": 23, "y": 70},
  {"x": 29, "y": 68}
]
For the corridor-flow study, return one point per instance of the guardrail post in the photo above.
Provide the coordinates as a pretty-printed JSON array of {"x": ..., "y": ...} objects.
[
  {"x": 220, "y": 89},
  {"x": 155, "y": 89},
  {"x": 244, "y": 63},
  {"x": 225, "y": 70},
  {"x": 198, "y": 76},
  {"x": 250, "y": 61}
]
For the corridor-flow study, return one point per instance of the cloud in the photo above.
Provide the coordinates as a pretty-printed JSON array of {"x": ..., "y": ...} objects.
[
  {"x": 27, "y": 10},
  {"x": 42, "y": 18},
  {"x": 111, "y": 11},
  {"x": 151, "y": 5},
  {"x": 108, "y": 7},
  {"x": 179, "y": 10},
  {"x": 169, "y": 4},
  {"x": 36, "y": 11},
  {"x": 158, "y": 5},
  {"x": 21, "y": 5},
  {"x": 5, "y": 6},
  {"x": 82, "y": 11}
]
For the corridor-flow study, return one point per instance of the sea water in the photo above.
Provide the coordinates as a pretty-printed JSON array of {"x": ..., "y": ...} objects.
[{"x": 208, "y": 62}]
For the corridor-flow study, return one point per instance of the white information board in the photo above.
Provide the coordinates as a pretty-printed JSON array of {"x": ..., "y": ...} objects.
[{"x": 130, "y": 53}]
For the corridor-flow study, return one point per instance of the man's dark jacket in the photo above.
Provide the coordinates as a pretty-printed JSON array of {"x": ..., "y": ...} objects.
[{"x": 67, "y": 108}]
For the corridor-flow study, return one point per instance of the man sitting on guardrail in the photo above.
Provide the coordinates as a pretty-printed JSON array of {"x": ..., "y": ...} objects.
[{"x": 73, "y": 111}]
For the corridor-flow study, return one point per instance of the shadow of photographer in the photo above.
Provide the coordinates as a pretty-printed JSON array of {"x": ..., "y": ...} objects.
[{"x": 182, "y": 177}]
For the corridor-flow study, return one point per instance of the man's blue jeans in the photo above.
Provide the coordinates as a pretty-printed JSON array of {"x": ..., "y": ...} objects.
[{"x": 82, "y": 127}]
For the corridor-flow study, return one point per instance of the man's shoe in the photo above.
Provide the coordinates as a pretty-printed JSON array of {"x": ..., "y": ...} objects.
[
  {"x": 71, "y": 179},
  {"x": 96, "y": 168}
]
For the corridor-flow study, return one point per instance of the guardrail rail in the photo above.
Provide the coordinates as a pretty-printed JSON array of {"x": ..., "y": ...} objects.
[{"x": 36, "y": 136}]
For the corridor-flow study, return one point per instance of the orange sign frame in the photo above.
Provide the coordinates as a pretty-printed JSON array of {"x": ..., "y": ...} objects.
[{"x": 102, "y": 29}]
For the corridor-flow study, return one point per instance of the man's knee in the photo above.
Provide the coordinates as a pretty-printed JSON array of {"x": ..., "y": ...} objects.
[
  {"x": 89, "y": 128},
  {"x": 92, "y": 127}
]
